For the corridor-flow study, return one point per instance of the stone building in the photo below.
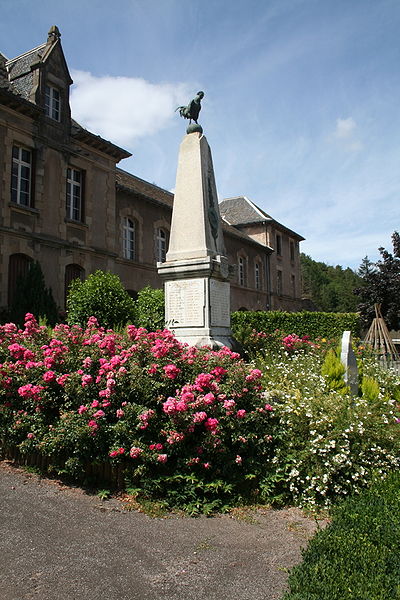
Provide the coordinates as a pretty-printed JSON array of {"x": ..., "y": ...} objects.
[{"x": 65, "y": 203}]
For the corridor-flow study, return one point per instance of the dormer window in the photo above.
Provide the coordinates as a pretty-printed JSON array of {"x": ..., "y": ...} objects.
[{"x": 52, "y": 102}]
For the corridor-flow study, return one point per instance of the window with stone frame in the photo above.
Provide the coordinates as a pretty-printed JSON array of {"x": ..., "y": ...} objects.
[
  {"x": 279, "y": 244},
  {"x": 21, "y": 176},
  {"x": 52, "y": 102},
  {"x": 161, "y": 248},
  {"x": 279, "y": 282},
  {"x": 129, "y": 232},
  {"x": 257, "y": 275},
  {"x": 292, "y": 249},
  {"x": 242, "y": 275},
  {"x": 75, "y": 181},
  {"x": 293, "y": 284}
]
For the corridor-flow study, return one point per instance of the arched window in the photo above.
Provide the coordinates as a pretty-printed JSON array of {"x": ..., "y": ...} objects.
[
  {"x": 161, "y": 245},
  {"x": 72, "y": 272},
  {"x": 18, "y": 266},
  {"x": 257, "y": 275},
  {"x": 242, "y": 275},
  {"x": 129, "y": 239}
]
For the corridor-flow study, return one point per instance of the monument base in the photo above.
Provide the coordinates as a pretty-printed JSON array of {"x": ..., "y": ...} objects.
[{"x": 197, "y": 301}]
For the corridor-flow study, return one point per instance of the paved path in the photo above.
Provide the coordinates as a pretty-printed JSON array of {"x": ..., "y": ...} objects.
[{"x": 58, "y": 543}]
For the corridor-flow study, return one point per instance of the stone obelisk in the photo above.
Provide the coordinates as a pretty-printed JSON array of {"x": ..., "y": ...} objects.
[{"x": 196, "y": 272}]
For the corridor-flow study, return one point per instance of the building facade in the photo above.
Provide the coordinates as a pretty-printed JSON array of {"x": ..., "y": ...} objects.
[{"x": 65, "y": 203}]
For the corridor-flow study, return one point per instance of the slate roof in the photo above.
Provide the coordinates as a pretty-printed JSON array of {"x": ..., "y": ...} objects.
[
  {"x": 131, "y": 184},
  {"x": 20, "y": 70},
  {"x": 96, "y": 141},
  {"x": 240, "y": 211},
  {"x": 4, "y": 83},
  {"x": 149, "y": 191}
]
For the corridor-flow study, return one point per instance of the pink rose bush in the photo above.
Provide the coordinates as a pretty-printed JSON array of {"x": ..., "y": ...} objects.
[{"x": 163, "y": 411}]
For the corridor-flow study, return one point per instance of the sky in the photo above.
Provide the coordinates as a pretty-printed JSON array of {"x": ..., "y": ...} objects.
[{"x": 301, "y": 106}]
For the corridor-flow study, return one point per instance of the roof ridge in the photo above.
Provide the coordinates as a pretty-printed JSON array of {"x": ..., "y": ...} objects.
[
  {"x": 10, "y": 61},
  {"x": 145, "y": 181}
]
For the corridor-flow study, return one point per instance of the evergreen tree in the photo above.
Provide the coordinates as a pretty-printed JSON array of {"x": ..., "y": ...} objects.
[
  {"x": 381, "y": 285},
  {"x": 34, "y": 297},
  {"x": 330, "y": 288}
]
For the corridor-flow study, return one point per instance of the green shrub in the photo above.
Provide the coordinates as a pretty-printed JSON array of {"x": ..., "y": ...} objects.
[
  {"x": 314, "y": 324},
  {"x": 32, "y": 296},
  {"x": 357, "y": 557},
  {"x": 149, "y": 309},
  {"x": 370, "y": 388},
  {"x": 333, "y": 370},
  {"x": 101, "y": 295}
]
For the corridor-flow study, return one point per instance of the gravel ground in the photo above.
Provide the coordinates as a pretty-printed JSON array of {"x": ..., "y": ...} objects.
[{"x": 59, "y": 543}]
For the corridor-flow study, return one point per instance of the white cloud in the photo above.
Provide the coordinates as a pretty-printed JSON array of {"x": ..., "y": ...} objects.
[
  {"x": 123, "y": 109},
  {"x": 345, "y": 132},
  {"x": 345, "y": 127}
]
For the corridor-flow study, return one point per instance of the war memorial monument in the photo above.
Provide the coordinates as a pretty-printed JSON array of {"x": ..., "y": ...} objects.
[{"x": 196, "y": 271}]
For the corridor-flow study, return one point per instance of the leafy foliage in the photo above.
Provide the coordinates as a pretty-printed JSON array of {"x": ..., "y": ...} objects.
[
  {"x": 32, "y": 296},
  {"x": 149, "y": 309},
  {"x": 101, "y": 295},
  {"x": 357, "y": 557},
  {"x": 381, "y": 285},
  {"x": 313, "y": 324},
  {"x": 331, "y": 289},
  {"x": 194, "y": 428},
  {"x": 333, "y": 370}
]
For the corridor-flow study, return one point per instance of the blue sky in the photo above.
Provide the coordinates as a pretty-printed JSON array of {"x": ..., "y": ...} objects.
[{"x": 301, "y": 106}]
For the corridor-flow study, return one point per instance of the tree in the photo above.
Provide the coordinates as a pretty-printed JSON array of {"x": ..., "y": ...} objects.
[
  {"x": 381, "y": 285},
  {"x": 34, "y": 297},
  {"x": 149, "y": 309},
  {"x": 101, "y": 295},
  {"x": 330, "y": 288}
]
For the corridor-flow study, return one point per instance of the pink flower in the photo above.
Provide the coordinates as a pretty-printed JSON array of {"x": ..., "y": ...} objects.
[
  {"x": 95, "y": 404},
  {"x": 87, "y": 362},
  {"x": 229, "y": 405},
  {"x": 99, "y": 414},
  {"x": 174, "y": 437},
  {"x": 82, "y": 409},
  {"x": 172, "y": 406},
  {"x": 30, "y": 436},
  {"x": 268, "y": 407},
  {"x": 86, "y": 380},
  {"x": 171, "y": 371},
  {"x": 238, "y": 459},
  {"x": 156, "y": 446},
  {"x": 120, "y": 413},
  {"x": 254, "y": 374},
  {"x": 241, "y": 413},
  {"x": 211, "y": 424},
  {"x": 162, "y": 458},
  {"x": 199, "y": 417},
  {"x": 93, "y": 424},
  {"x": 209, "y": 398},
  {"x": 30, "y": 391},
  {"x": 49, "y": 376},
  {"x": 206, "y": 465},
  {"x": 62, "y": 379},
  {"x": 152, "y": 369},
  {"x": 135, "y": 452}
]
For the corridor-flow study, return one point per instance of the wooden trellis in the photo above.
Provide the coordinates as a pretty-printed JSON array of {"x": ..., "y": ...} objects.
[{"x": 379, "y": 338}]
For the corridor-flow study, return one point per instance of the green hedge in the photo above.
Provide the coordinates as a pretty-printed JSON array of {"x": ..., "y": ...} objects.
[
  {"x": 358, "y": 556},
  {"x": 313, "y": 324}
]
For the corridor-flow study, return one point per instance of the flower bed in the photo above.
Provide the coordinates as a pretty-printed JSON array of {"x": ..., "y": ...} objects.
[
  {"x": 197, "y": 428},
  {"x": 185, "y": 424}
]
